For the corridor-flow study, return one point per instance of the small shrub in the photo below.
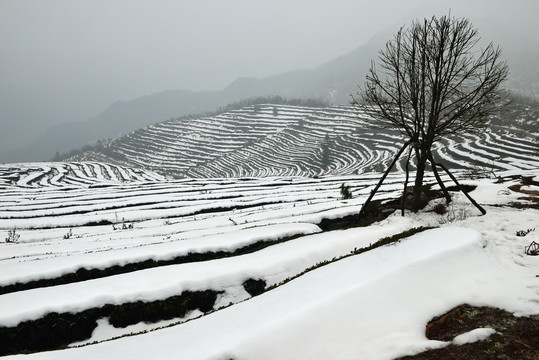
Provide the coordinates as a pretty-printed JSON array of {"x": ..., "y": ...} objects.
[
  {"x": 254, "y": 287},
  {"x": 440, "y": 209},
  {"x": 69, "y": 234},
  {"x": 125, "y": 225},
  {"x": 12, "y": 236},
  {"x": 345, "y": 192}
]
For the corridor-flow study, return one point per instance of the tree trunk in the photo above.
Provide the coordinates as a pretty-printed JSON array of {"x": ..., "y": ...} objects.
[
  {"x": 405, "y": 192},
  {"x": 417, "y": 200}
]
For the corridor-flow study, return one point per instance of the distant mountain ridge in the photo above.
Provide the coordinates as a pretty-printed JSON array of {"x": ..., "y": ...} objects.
[{"x": 333, "y": 82}]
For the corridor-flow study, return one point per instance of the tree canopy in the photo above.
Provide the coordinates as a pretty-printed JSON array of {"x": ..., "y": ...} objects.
[{"x": 433, "y": 80}]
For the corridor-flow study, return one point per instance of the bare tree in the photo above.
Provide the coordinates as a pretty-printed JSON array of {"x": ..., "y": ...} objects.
[{"x": 433, "y": 82}]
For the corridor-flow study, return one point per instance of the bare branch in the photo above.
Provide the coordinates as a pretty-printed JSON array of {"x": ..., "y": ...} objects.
[{"x": 432, "y": 81}]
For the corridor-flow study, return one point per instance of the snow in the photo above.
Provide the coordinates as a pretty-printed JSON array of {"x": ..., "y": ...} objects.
[
  {"x": 378, "y": 310},
  {"x": 274, "y": 264},
  {"x": 473, "y": 336},
  {"x": 374, "y": 305},
  {"x": 105, "y": 331},
  {"x": 229, "y": 239}
]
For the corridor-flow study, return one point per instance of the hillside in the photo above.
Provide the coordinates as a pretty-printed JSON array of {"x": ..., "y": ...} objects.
[
  {"x": 332, "y": 81},
  {"x": 66, "y": 175},
  {"x": 279, "y": 140},
  {"x": 253, "y": 268}
]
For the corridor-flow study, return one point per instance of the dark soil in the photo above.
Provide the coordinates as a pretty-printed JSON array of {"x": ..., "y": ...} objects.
[
  {"x": 531, "y": 196},
  {"x": 528, "y": 195},
  {"x": 516, "y": 338},
  {"x": 57, "y": 330}
]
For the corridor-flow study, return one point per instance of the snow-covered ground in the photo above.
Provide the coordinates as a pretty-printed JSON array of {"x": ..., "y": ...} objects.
[{"x": 373, "y": 305}]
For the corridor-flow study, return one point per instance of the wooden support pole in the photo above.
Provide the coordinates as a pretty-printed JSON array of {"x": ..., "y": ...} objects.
[
  {"x": 479, "y": 207},
  {"x": 438, "y": 179},
  {"x": 362, "y": 211}
]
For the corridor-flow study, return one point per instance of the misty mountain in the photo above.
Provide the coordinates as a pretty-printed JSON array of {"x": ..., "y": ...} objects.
[
  {"x": 332, "y": 82},
  {"x": 117, "y": 119}
]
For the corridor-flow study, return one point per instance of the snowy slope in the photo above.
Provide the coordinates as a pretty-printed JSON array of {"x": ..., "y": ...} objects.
[
  {"x": 74, "y": 174},
  {"x": 279, "y": 140},
  {"x": 372, "y": 305}
]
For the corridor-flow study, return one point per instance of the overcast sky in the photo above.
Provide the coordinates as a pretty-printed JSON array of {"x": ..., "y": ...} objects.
[
  {"x": 90, "y": 53},
  {"x": 136, "y": 47}
]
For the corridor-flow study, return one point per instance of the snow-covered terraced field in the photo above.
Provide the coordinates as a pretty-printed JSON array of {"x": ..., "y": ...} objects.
[
  {"x": 111, "y": 242},
  {"x": 279, "y": 140},
  {"x": 130, "y": 251},
  {"x": 74, "y": 174},
  {"x": 108, "y": 244},
  {"x": 64, "y": 229}
]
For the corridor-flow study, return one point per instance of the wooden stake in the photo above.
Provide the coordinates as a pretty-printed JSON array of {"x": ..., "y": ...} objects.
[
  {"x": 438, "y": 179},
  {"x": 479, "y": 207},
  {"x": 361, "y": 212}
]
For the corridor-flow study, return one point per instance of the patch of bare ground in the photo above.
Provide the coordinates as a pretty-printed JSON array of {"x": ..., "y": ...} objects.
[
  {"x": 516, "y": 338},
  {"x": 530, "y": 196}
]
